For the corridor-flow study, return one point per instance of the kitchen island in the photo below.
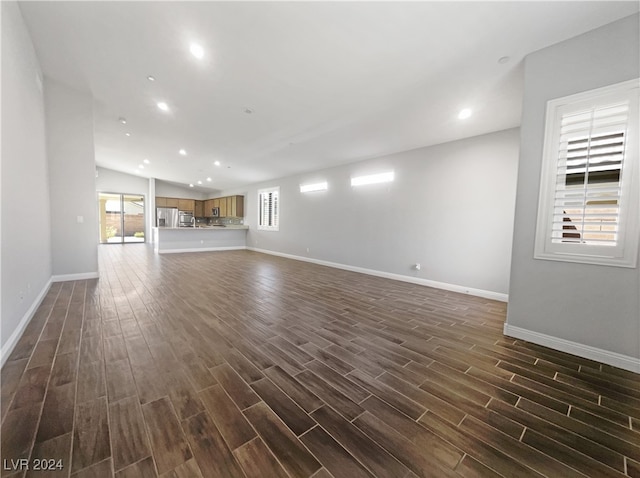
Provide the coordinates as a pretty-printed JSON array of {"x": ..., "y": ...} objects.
[{"x": 168, "y": 240}]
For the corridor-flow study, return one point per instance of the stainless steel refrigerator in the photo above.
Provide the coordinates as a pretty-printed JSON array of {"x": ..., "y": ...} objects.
[{"x": 167, "y": 217}]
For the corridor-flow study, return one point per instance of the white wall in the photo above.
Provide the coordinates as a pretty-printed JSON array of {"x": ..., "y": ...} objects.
[
  {"x": 72, "y": 171},
  {"x": 110, "y": 181},
  {"x": 450, "y": 208},
  {"x": 25, "y": 219},
  {"x": 164, "y": 189},
  {"x": 590, "y": 306}
]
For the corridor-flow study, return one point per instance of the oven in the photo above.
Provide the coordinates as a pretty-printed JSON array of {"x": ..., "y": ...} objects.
[{"x": 185, "y": 219}]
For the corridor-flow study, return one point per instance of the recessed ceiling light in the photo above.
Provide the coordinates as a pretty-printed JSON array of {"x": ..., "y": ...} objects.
[
  {"x": 464, "y": 114},
  {"x": 182, "y": 152},
  {"x": 190, "y": 185},
  {"x": 199, "y": 182},
  {"x": 146, "y": 161},
  {"x": 247, "y": 110},
  {"x": 122, "y": 120},
  {"x": 217, "y": 163},
  {"x": 151, "y": 78},
  {"x": 503, "y": 60},
  {"x": 127, "y": 134},
  {"x": 163, "y": 106},
  {"x": 196, "y": 50},
  {"x": 209, "y": 179}
]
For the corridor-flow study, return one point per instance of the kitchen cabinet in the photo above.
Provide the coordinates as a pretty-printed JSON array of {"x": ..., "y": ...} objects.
[
  {"x": 229, "y": 206},
  {"x": 199, "y": 209},
  {"x": 172, "y": 202},
  {"x": 208, "y": 205},
  {"x": 239, "y": 206},
  {"x": 231, "y": 210},
  {"x": 186, "y": 204},
  {"x": 161, "y": 202}
]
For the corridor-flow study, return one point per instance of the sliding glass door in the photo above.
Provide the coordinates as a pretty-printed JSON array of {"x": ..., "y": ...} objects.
[{"x": 121, "y": 218}]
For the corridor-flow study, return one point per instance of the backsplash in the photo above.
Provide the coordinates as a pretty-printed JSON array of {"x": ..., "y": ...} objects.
[{"x": 219, "y": 220}]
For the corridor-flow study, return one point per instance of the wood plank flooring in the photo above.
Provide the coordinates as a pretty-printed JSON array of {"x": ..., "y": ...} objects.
[{"x": 242, "y": 364}]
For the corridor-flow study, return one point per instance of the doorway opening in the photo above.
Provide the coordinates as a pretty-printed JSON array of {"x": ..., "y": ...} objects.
[{"x": 122, "y": 218}]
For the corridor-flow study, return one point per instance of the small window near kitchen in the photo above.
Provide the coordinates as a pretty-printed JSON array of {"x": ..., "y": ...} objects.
[
  {"x": 588, "y": 209},
  {"x": 269, "y": 209}
]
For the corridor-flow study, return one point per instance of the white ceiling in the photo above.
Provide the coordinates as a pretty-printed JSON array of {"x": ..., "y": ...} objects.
[{"x": 328, "y": 82}]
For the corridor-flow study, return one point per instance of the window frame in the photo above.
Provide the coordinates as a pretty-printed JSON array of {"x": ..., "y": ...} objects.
[
  {"x": 625, "y": 252},
  {"x": 275, "y": 215}
]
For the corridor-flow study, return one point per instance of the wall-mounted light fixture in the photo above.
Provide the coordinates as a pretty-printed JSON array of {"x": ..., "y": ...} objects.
[{"x": 373, "y": 179}]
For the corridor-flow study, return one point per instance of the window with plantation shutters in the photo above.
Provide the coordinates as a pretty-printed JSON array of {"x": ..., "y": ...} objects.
[
  {"x": 269, "y": 209},
  {"x": 588, "y": 210}
]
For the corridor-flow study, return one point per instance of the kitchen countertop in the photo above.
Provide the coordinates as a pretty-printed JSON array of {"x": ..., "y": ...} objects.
[{"x": 204, "y": 228}]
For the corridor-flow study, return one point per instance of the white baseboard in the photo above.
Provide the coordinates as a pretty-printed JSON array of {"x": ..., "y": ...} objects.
[
  {"x": 625, "y": 362},
  {"x": 11, "y": 342},
  {"x": 201, "y": 249},
  {"x": 80, "y": 276},
  {"x": 389, "y": 275}
]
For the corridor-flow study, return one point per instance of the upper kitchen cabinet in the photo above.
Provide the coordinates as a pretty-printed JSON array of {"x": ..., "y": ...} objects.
[
  {"x": 172, "y": 202},
  {"x": 199, "y": 209},
  {"x": 161, "y": 202},
  {"x": 208, "y": 205},
  {"x": 229, "y": 206},
  {"x": 186, "y": 204},
  {"x": 235, "y": 206}
]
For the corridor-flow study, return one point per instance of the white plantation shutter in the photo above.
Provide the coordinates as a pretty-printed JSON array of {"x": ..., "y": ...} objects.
[
  {"x": 588, "y": 191},
  {"x": 588, "y": 187},
  {"x": 268, "y": 215}
]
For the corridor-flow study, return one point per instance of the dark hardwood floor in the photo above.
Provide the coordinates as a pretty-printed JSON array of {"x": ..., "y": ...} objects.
[{"x": 242, "y": 364}]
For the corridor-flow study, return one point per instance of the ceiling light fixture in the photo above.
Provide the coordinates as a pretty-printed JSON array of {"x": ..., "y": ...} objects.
[
  {"x": 163, "y": 106},
  {"x": 151, "y": 78},
  {"x": 122, "y": 120},
  {"x": 464, "y": 114},
  {"x": 199, "y": 182},
  {"x": 216, "y": 163},
  {"x": 127, "y": 134},
  {"x": 141, "y": 166},
  {"x": 182, "y": 152},
  {"x": 247, "y": 110},
  {"x": 146, "y": 161},
  {"x": 197, "y": 51},
  {"x": 190, "y": 185},
  {"x": 209, "y": 179}
]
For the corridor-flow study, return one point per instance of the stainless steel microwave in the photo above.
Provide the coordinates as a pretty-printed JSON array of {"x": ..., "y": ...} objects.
[{"x": 215, "y": 212}]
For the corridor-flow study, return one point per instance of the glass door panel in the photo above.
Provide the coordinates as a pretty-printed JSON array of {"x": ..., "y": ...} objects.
[
  {"x": 121, "y": 218},
  {"x": 133, "y": 218}
]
